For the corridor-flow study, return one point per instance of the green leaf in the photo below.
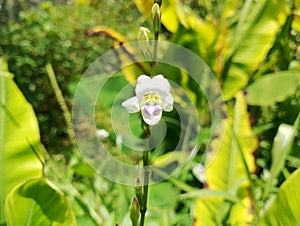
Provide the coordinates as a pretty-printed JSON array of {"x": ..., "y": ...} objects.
[
  {"x": 285, "y": 209},
  {"x": 232, "y": 171},
  {"x": 235, "y": 81},
  {"x": 226, "y": 171},
  {"x": 282, "y": 144},
  {"x": 256, "y": 34},
  {"x": 273, "y": 88},
  {"x": 38, "y": 202},
  {"x": 210, "y": 193},
  {"x": 161, "y": 204},
  {"x": 253, "y": 37},
  {"x": 19, "y": 136}
]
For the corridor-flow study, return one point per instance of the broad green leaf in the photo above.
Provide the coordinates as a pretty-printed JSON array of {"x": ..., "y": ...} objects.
[
  {"x": 273, "y": 88},
  {"x": 161, "y": 204},
  {"x": 230, "y": 7},
  {"x": 144, "y": 6},
  {"x": 281, "y": 147},
  {"x": 226, "y": 171},
  {"x": 232, "y": 171},
  {"x": 195, "y": 33},
  {"x": 236, "y": 80},
  {"x": 285, "y": 209},
  {"x": 38, "y": 202},
  {"x": 255, "y": 33},
  {"x": 169, "y": 18},
  {"x": 296, "y": 20},
  {"x": 56, "y": 171},
  {"x": 19, "y": 135}
]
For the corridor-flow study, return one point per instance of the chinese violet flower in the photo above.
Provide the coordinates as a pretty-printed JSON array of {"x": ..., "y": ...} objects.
[{"x": 152, "y": 97}]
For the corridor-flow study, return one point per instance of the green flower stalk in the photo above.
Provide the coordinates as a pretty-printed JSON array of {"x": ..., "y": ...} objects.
[{"x": 152, "y": 98}]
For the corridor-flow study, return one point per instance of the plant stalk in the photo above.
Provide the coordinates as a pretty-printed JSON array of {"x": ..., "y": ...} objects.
[
  {"x": 62, "y": 103},
  {"x": 145, "y": 127},
  {"x": 145, "y": 188}
]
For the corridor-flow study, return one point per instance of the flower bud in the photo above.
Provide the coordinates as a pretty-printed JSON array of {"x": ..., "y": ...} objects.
[
  {"x": 138, "y": 191},
  {"x": 156, "y": 17},
  {"x": 144, "y": 44},
  {"x": 134, "y": 211}
]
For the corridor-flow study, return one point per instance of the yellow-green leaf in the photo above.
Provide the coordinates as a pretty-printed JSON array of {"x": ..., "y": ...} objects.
[
  {"x": 38, "y": 202},
  {"x": 19, "y": 136},
  {"x": 285, "y": 209},
  {"x": 225, "y": 169}
]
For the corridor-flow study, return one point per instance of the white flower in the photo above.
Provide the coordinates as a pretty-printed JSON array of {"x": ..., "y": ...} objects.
[
  {"x": 152, "y": 97},
  {"x": 102, "y": 133}
]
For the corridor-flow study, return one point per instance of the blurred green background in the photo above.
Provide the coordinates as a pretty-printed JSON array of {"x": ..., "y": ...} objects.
[{"x": 253, "y": 49}]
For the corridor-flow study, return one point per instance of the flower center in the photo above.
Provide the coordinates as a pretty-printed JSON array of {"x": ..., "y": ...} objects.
[
  {"x": 151, "y": 99},
  {"x": 151, "y": 104}
]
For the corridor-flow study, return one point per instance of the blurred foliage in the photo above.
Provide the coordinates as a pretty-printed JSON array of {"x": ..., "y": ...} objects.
[
  {"x": 55, "y": 33},
  {"x": 253, "y": 49}
]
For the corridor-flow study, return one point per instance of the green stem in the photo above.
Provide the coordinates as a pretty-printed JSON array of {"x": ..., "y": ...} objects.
[
  {"x": 154, "y": 61},
  {"x": 146, "y": 135},
  {"x": 143, "y": 208},
  {"x": 145, "y": 187}
]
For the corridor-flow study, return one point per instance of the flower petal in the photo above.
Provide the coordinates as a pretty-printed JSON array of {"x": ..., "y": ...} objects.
[
  {"x": 167, "y": 103},
  {"x": 160, "y": 85},
  {"x": 131, "y": 105},
  {"x": 143, "y": 86},
  {"x": 151, "y": 114}
]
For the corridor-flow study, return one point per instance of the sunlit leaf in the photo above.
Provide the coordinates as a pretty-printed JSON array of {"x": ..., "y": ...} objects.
[
  {"x": 144, "y": 6},
  {"x": 252, "y": 43},
  {"x": 19, "y": 136},
  {"x": 228, "y": 157},
  {"x": 273, "y": 88},
  {"x": 226, "y": 171},
  {"x": 296, "y": 20},
  {"x": 230, "y": 7},
  {"x": 281, "y": 147},
  {"x": 234, "y": 82},
  {"x": 210, "y": 193},
  {"x": 38, "y": 202},
  {"x": 107, "y": 32},
  {"x": 255, "y": 33},
  {"x": 169, "y": 18},
  {"x": 285, "y": 209}
]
